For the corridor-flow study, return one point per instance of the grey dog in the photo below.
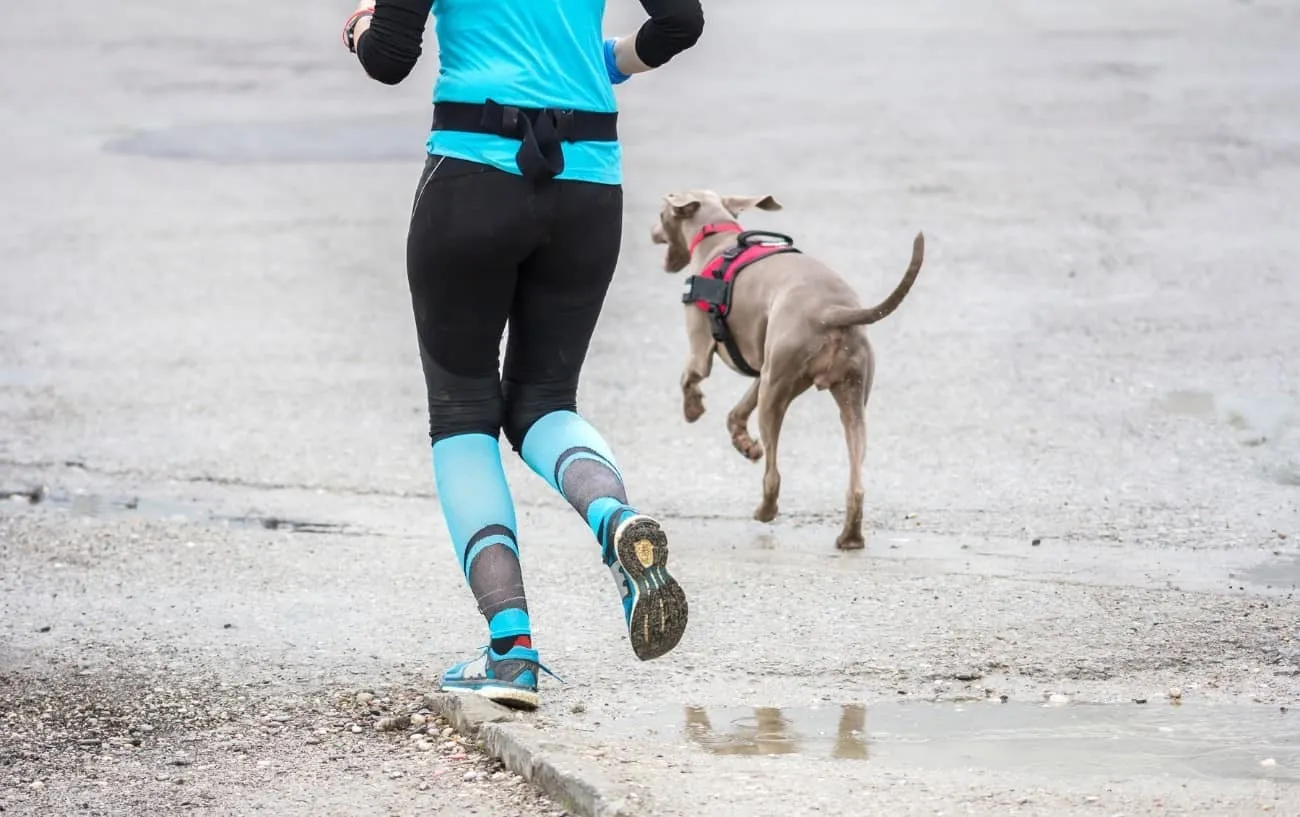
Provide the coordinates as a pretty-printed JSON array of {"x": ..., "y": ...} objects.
[{"x": 792, "y": 320}]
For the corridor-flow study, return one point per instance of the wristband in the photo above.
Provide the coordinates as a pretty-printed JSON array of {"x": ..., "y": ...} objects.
[
  {"x": 616, "y": 77},
  {"x": 351, "y": 25}
]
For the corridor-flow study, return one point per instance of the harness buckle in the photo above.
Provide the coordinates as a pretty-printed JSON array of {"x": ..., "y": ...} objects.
[{"x": 718, "y": 324}]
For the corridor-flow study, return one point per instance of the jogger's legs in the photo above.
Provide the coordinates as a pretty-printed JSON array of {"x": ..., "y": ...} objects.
[
  {"x": 470, "y": 228},
  {"x": 557, "y": 303}
]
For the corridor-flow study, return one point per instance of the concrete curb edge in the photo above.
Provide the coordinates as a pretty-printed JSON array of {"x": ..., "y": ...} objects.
[{"x": 562, "y": 776}]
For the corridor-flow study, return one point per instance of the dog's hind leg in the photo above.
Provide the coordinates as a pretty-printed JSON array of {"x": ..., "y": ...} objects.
[
  {"x": 738, "y": 423},
  {"x": 851, "y": 395},
  {"x": 774, "y": 397}
]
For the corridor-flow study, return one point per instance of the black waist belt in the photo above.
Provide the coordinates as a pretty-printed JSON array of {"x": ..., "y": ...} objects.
[{"x": 540, "y": 130}]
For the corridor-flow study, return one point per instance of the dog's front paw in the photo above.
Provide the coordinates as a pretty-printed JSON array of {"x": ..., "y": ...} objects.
[
  {"x": 749, "y": 448},
  {"x": 766, "y": 512},
  {"x": 693, "y": 407}
]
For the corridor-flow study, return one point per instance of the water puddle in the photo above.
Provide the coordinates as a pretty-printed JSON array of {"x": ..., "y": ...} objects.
[
  {"x": 1283, "y": 572},
  {"x": 98, "y": 505},
  {"x": 1164, "y": 740},
  {"x": 369, "y": 139},
  {"x": 1268, "y": 423}
]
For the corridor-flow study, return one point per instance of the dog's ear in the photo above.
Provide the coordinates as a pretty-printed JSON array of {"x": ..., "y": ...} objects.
[
  {"x": 684, "y": 205},
  {"x": 739, "y": 204}
]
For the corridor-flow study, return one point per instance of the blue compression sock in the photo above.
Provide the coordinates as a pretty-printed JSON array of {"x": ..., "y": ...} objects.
[
  {"x": 480, "y": 517},
  {"x": 567, "y": 452}
]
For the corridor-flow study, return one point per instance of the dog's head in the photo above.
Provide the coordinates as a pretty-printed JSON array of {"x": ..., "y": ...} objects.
[{"x": 684, "y": 214}]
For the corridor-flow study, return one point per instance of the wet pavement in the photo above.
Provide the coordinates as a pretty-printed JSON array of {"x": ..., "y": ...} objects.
[{"x": 1083, "y": 462}]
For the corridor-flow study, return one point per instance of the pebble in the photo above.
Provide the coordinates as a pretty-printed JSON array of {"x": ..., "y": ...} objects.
[
  {"x": 356, "y": 730},
  {"x": 472, "y": 776},
  {"x": 38, "y": 785},
  {"x": 1175, "y": 693},
  {"x": 1268, "y": 763},
  {"x": 418, "y": 720},
  {"x": 1058, "y": 698},
  {"x": 392, "y": 724},
  {"x": 364, "y": 698},
  {"x": 423, "y": 786},
  {"x": 423, "y": 745}
]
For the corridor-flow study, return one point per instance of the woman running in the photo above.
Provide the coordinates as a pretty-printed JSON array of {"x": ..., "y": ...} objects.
[{"x": 518, "y": 217}]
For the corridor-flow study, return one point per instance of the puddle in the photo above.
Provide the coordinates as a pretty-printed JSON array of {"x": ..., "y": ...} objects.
[
  {"x": 1283, "y": 572},
  {"x": 1165, "y": 740},
  {"x": 1256, "y": 422},
  {"x": 369, "y": 139},
  {"x": 98, "y": 505}
]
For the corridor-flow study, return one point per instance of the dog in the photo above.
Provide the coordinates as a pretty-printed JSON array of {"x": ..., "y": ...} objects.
[{"x": 785, "y": 319}]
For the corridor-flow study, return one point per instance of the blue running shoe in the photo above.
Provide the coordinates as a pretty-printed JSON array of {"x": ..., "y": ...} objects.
[
  {"x": 653, "y": 602},
  {"x": 510, "y": 679}
]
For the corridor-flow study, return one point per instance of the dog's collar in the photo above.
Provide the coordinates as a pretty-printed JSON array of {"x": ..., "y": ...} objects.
[{"x": 713, "y": 229}]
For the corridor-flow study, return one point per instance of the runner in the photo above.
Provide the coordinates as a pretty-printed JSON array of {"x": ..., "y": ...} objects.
[{"x": 518, "y": 217}]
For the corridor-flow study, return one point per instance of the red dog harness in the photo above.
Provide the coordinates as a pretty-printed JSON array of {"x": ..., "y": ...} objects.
[{"x": 710, "y": 289}]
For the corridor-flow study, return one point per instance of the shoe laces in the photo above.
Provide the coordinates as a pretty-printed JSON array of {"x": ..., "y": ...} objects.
[{"x": 487, "y": 651}]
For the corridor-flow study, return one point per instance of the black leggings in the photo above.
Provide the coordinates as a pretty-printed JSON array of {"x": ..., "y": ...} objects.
[{"x": 484, "y": 247}]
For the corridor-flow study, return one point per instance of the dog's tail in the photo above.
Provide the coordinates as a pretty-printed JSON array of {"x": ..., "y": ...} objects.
[{"x": 841, "y": 316}]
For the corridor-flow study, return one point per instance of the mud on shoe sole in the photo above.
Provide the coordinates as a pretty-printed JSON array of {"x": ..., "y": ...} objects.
[{"x": 659, "y": 609}]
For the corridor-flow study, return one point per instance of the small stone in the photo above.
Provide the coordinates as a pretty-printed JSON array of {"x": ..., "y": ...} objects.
[
  {"x": 418, "y": 720},
  {"x": 37, "y": 785},
  {"x": 1268, "y": 763},
  {"x": 1037, "y": 541},
  {"x": 263, "y": 764},
  {"x": 1139, "y": 700},
  {"x": 578, "y": 708},
  {"x": 313, "y": 741},
  {"x": 1058, "y": 698},
  {"x": 446, "y": 732},
  {"x": 393, "y": 724},
  {"x": 356, "y": 730},
  {"x": 423, "y": 745},
  {"x": 364, "y": 698},
  {"x": 423, "y": 786},
  {"x": 1092, "y": 798},
  {"x": 471, "y": 776},
  {"x": 1175, "y": 693}
]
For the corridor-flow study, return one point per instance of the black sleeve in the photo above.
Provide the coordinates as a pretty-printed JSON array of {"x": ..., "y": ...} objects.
[
  {"x": 389, "y": 48},
  {"x": 673, "y": 27}
]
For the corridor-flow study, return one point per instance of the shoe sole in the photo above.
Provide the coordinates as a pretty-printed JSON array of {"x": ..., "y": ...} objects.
[
  {"x": 512, "y": 697},
  {"x": 659, "y": 609}
]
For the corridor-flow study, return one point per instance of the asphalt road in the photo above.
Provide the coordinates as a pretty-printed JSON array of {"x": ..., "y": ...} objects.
[{"x": 1083, "y": 470}]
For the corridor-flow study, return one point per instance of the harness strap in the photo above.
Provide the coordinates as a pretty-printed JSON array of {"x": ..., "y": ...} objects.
[
  {"x": 539, "y": 130},
  {"x": 711, "y": 289}
]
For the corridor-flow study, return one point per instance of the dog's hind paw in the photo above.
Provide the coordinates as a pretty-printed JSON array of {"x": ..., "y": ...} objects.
[{"x": 850, "y": 542}]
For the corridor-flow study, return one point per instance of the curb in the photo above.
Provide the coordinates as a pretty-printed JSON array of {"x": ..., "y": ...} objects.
[{"x": 568, "y": 780}]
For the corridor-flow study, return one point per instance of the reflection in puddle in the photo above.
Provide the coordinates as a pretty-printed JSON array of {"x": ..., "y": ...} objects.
[
  {"x": 1205, "y": 742},
  {"x": 769, "y": 732}
]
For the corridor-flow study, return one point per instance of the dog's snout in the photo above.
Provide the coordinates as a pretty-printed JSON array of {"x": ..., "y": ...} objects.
[{"x": 657, "y": 234}]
